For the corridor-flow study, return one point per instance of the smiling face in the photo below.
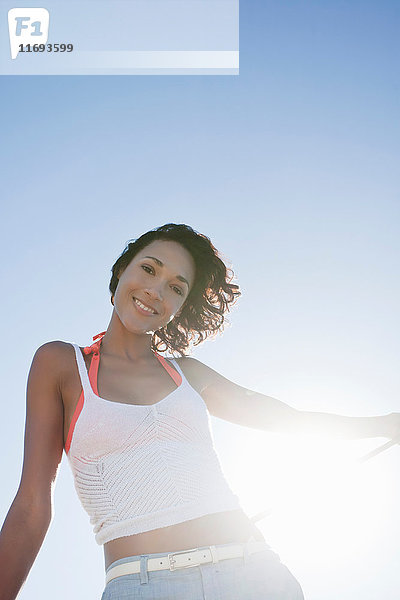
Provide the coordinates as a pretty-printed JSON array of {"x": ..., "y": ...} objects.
[{"x": 154, "y": 286}]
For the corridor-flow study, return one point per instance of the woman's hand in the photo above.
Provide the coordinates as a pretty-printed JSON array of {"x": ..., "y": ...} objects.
[{"x": 391, "y": 427}]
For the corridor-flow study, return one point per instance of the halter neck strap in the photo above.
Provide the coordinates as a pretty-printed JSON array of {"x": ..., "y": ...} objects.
[{"x": 95, "y": 347}]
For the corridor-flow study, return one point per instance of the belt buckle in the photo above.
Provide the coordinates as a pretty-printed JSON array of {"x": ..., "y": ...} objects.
[{"x": 171, "y": 560}]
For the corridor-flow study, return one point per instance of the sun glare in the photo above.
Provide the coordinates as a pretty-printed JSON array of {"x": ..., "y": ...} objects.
[{"x": 317, "y": 493}]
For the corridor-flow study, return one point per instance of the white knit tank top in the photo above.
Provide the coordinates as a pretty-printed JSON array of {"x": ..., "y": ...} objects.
[{"x": 141, "y": 467}]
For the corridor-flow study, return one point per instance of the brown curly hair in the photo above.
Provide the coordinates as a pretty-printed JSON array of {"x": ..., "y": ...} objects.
[{"x": 202, "y": 315}]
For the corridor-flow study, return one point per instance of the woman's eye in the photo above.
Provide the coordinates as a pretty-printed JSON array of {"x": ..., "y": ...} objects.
[{"x": 149, "y": 269}]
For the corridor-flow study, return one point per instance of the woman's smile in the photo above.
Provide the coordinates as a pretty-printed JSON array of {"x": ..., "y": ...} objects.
[{"x": 144, "y": 309}]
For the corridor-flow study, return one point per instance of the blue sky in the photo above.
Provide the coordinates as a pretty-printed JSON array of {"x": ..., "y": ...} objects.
[{"x": 291, "y": 168}]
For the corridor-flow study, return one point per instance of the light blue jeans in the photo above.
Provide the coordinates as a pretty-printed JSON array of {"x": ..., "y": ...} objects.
[{"x": 258, "y": 576}]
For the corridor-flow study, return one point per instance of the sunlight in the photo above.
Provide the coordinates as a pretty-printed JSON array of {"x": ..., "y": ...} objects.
[{"x": 319, "y": 495}]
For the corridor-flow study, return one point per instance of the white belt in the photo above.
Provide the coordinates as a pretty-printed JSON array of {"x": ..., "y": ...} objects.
[{"x": 186, "y": 558}]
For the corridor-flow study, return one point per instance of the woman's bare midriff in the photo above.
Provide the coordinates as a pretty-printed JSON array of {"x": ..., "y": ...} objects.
[{"x": 213, "y": 529}]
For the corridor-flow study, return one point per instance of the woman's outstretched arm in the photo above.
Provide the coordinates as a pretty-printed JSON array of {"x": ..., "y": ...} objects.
[{"x": 232, "y": 402}]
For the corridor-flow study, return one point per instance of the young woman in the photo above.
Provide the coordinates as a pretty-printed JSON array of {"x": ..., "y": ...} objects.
[{"x": 135, "y": 427}]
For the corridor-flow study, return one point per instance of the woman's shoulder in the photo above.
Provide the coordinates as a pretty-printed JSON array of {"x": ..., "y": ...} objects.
[
  {"x": 197, "y": 373},
  {"x": 53, "y": 361},
  {"x": 61, "y": 361},
  {"x": 189, "y": 364},
  {"x": 57, "y": 348},
  {"x": 59, "y": 355}
]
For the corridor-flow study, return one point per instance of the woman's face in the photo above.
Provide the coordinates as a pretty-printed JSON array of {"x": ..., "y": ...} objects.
[{"x": 159, "y": 277}]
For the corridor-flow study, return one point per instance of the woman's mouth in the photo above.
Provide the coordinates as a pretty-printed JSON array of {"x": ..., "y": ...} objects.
[{"x": 142, "y": 308}]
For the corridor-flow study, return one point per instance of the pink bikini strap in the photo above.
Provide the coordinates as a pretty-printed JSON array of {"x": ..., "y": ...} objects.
[
  {"x": 94, "y": 347},
  {"x": 94, "y": 364},
  {"x": 174, "y": 374}
]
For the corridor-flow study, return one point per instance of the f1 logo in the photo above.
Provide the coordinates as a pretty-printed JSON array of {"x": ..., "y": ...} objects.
[{"x": 27, "y": 26}]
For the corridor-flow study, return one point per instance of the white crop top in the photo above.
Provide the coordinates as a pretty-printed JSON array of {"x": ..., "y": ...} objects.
[{"x": 141, "y": 467}]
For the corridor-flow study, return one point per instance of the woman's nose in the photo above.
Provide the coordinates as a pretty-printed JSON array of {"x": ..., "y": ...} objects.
[{"x": 155, "y": 293}]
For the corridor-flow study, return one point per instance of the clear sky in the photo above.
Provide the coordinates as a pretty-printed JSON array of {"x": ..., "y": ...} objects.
[{"x": 291, "y": 168}]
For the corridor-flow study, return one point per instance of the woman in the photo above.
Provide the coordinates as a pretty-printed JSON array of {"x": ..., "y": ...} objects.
[{"x": 137, "y": 435}]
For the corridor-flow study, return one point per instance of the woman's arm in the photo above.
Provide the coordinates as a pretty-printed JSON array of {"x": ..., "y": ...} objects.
[
  {"x": 232, "y": 402},
  {"x": 31, "y": 512}
]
